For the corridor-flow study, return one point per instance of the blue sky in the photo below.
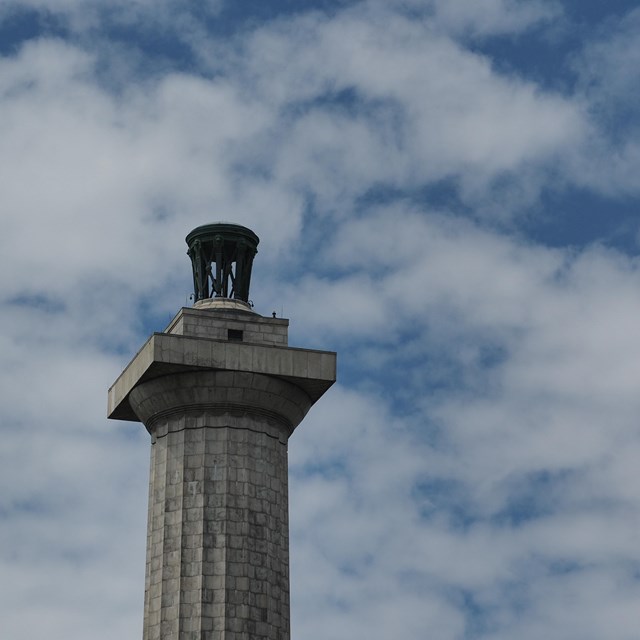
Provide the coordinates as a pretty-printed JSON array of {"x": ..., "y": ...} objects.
[{"x": 446, "y": 193}]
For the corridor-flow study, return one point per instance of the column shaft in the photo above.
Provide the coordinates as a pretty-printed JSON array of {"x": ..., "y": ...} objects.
[{"x": 218, "y": 555}]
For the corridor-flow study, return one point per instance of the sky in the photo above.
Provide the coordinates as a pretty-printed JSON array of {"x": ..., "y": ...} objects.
[{"x": 446, "y": 193}]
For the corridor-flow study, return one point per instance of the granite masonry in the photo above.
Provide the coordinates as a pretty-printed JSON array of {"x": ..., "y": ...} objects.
[{"x": 220, "y": 392}]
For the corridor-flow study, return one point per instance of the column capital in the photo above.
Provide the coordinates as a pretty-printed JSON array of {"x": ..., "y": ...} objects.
[
  {"x": 195, "y": 399},
  {"x": 311, "y": 371}
]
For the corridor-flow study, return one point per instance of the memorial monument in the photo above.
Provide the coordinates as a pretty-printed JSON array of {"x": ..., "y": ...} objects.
[{"x": 220, "y": 392}]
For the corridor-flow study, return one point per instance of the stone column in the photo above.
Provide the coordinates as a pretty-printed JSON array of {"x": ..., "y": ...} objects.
[
  {"x": 218, "y": 550},
  {"x": 220, "y": 392}
]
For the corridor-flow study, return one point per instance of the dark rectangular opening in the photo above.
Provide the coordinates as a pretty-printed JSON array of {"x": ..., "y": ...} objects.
[{"x": 234, "y": 334}]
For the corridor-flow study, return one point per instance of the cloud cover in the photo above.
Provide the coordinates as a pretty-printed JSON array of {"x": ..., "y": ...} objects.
[{"x": 474, "y": 473}]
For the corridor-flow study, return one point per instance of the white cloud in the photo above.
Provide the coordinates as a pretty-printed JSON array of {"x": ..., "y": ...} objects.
[
  {"x": 607, "y": 81},
  {"x": 474, "y": 473},
  {"x": 492, "y": 17},
  {"x": 609, "y": 64},
  {"x": 478, "y": 18},
  {"x": 90, "y": 14},
  {"x": 107, "y": 179},
  {"x": 534, "y": 466},
  {"x": 423, "y": 108}
]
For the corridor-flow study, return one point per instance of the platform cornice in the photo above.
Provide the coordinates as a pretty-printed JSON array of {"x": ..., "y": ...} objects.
[{"x": 312, "y": 370}]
